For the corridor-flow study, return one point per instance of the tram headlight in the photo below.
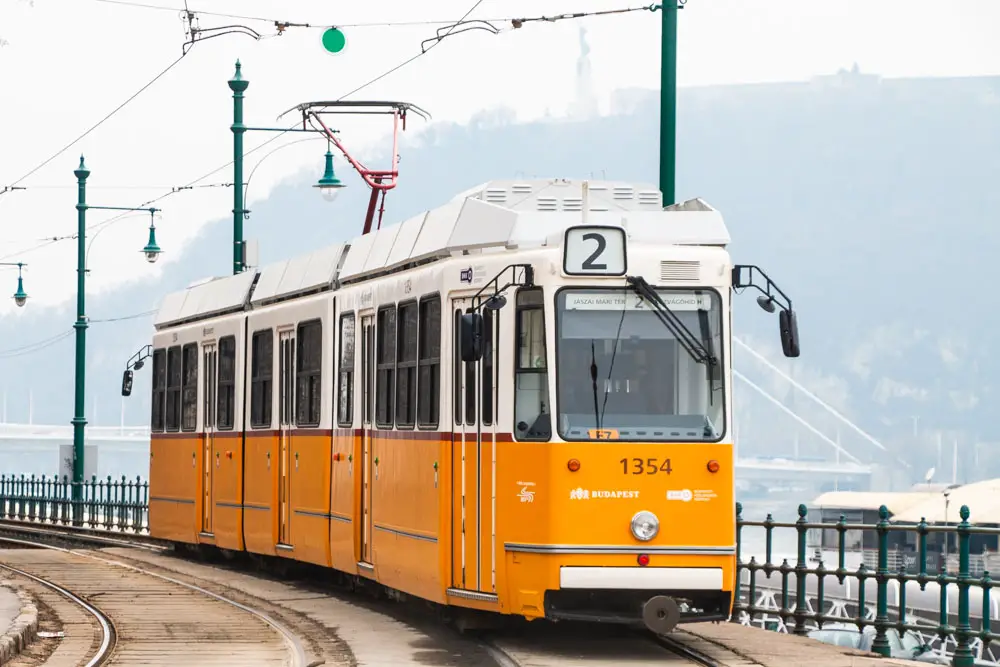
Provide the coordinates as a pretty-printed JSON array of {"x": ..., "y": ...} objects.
[{"x": 645, "y": 526}]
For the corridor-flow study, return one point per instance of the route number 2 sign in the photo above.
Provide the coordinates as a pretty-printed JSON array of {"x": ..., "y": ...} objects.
[{"x": 594, "y": 251}]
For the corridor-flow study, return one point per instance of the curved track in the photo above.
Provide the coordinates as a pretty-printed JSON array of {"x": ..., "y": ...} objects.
[
  {"x": 140, "y": 616},
  {"x": 107, "y": 629}
]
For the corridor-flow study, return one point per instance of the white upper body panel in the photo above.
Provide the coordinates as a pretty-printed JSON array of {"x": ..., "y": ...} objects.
[{"x": 496, "y": 217}]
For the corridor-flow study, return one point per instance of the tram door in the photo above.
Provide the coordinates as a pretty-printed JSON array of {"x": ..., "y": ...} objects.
[
  {"x": 367, "y": 432},
  {"x": 210, "y": 356},
  {"x": 286, "y": 373},
  {"x": 474, "y": 459}
]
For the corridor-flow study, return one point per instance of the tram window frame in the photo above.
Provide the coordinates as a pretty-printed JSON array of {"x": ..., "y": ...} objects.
[
  {"x": 718, "y": 305},
  {"x": 457, "y": 396},
  {"x": 159, "y": 391},
  {"x": 225, "y": 382},
  {"x": 262, "y": 379},
  {"x": 519, "y": 309},
  {"x": 175, "y": 376},
  {"x": 308, "y": 373},
  {"x": 429, "y": 362},
  {"x": 345, "y": 372},
  {"x": 406, "y": 364},
  {"x": 189, "y": 387},
  {"x": 385, "y": 366},
  {"x": 488, "y": 371}
]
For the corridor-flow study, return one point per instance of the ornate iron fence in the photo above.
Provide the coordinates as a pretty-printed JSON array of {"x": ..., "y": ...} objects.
[
  {"x": 803, "y": 592},
  {"x": 113, "y": 505}
]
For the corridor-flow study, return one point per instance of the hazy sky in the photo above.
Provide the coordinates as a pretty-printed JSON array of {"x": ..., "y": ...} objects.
[{"x": 64, "y": 64}]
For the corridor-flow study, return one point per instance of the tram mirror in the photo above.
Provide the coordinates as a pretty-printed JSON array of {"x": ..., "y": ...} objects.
[
  {"x": 127, "y": 383},
  {"x": 789, "y": 329},
  {"x": 495, "y": 302},
  {"x": 472, "y": 337}
]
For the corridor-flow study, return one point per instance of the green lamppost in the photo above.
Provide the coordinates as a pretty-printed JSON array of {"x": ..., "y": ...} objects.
[
  {"x": 668, "y": 99},
  {"x": 328, "y": 185},
  {"x": 20, "y": 296},
  {"x": 152, "y": 253},
  {"x": 238, "y": 85}
]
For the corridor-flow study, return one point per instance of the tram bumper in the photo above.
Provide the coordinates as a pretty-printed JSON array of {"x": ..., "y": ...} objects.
[{"x": 656, "y": 598}]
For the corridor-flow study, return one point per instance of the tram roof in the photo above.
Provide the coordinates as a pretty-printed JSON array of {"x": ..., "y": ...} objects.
[
  {"x": 497, "y": 215},
  {"x": 982, "y": 498},
  {"x": 895, "y": 502}
]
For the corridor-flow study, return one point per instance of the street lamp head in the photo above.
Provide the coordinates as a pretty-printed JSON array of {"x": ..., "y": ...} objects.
[
  {"x": 20, "y": 296},
  {"x": 152, "y": 251},
  {"x": 329, "y": 185}
]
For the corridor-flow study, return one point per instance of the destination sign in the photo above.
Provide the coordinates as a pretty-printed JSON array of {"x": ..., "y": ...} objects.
[{"x": 631, "y": 301}]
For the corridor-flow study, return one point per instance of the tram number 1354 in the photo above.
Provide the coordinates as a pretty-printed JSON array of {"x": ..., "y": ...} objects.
[{"x": 645, "y": 466}]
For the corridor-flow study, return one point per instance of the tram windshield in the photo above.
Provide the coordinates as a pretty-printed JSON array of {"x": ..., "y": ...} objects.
[{"x": 648, "y": 387}]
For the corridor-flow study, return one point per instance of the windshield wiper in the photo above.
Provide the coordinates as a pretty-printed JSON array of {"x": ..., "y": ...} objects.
[
  {"x": 684, "y": 337},
  {"x": 593, "y": 381}
]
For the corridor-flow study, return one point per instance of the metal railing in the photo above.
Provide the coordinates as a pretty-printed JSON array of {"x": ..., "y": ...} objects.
[
  {"x": 810, "y": 596},
  {"x": 113, "y": 505}
]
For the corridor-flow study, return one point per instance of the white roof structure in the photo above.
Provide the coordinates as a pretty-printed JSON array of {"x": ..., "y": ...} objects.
[
  {"x": 205, "y": 299},
  {"x": 495, "y": 215},
  {"x": 299, "y": 275},
  {"x": 895, "y": 502},
  {"x": 982, "y": 498}
]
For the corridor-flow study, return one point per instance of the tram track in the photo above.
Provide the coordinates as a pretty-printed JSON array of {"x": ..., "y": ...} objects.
[
  {"x": 544, "y": 645},
  {"x": 108, "y": 635},
  {"x": 141, "y": 610},
  {"x": 565, "y": 644}
]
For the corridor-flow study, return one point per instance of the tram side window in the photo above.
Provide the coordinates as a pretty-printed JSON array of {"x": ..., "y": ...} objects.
[
  {"x": 261, "y": 378},
  {"x": 490, "y": 320},
  {"x": 189, "y": 390},
  {"x": 532, "y": 410},
  {"x": 429, "y": 372},
  {"x": 457, "y": 368},
  {"x": 406, "y": 366},
  {"x": 345, "y": 407},
  {"x": 174, "y": 388},
  {"x": 226, "y": 410},
  {"x": 159, "y": 388},
  {"x": 385, "y": 367},
  {"x": 309, "y": 362}
]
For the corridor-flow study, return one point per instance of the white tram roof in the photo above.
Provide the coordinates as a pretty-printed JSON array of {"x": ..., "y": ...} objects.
[
  {"x": 206, "y": 298},
  {"x": 982, "y": 498},
  {"x": 895, "y": 502},
  {"x": 498, "y": 215}
]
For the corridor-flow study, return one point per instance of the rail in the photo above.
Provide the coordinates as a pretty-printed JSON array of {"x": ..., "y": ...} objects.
[
  {"x": 805, "y": 603},
  {"x": 107, "y": 504}
]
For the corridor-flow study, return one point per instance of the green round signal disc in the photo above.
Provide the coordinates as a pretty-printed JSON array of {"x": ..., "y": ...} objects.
[{"x": 334, "y": 40}]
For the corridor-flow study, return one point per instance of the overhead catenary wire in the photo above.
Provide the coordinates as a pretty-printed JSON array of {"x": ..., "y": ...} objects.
[
  {"x": 412, "y": 58},
  {"x": 281, "y": 24},
  {"x": 100, "y": 122},
  {"x": 290, "y": 127},
  {"x": 52, "y": 340},
  {"x": 516, "y": 22}
]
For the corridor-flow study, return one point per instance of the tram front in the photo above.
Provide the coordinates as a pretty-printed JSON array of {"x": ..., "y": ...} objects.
[{"x": 632, "y": 518}]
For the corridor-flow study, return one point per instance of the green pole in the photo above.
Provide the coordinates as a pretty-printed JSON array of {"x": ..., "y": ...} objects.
[
  {"x": 668, "y": 100},
  {"x": 881, "y": 643},
  {"x": 80, "y": 326},
  {"x": 238, "y": 85},
  {"x": 963, "y": 656}
]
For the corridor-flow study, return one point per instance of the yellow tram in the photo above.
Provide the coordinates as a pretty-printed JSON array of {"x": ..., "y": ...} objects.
[{"x": 519, "y": 402}]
